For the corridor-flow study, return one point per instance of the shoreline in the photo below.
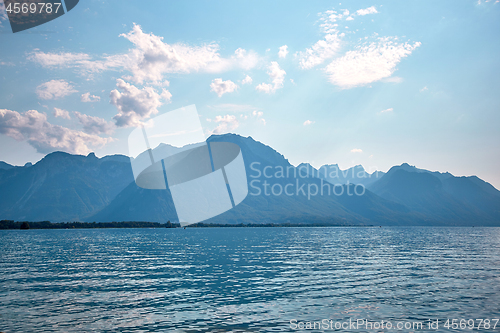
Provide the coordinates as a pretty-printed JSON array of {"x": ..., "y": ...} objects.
[{"x": 17, "y": 225}]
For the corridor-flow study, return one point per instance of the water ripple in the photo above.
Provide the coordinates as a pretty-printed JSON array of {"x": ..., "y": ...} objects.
[{"x": 243, "y": 279}]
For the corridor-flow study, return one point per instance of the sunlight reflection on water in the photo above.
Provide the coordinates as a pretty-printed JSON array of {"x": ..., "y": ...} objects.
[{"x": 243, "y": 279}]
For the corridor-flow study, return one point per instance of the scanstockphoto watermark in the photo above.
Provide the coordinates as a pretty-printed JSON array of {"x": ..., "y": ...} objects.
[
  {"x": 361, "y": 324},
  {"x": 353, "y": 324},
  {"x": 307, "y": 181}
]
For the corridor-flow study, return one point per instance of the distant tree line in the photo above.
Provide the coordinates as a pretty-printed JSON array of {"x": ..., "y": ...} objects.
[{"x": 10, "y": 224}]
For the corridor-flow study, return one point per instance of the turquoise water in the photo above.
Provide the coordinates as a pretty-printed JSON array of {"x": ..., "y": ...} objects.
[{"x": 244, "y": 279}]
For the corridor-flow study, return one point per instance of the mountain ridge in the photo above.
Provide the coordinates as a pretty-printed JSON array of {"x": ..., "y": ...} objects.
[{"x": 66, "y": 187}]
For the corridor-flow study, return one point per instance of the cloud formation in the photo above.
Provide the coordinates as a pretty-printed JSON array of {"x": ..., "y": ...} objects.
[
  {"x": 62, "y": 59},
  {"x": 356, "y": 150},
  {"x": 366, "y": 11},
  {"x": 283, "y": 51},
  {"x": 88, "y": 98},
  {"x": 327, "y": 47},
  {"x": 308, "y": 122},
  {"x": 81, "y": 61},
  {"x": 259, "y": 115},
  {"x": 134, "y": 104},
  {"x": 61, "y": 113},
  {"x": 54, "y": 89},
  {"x": 227, "y": 123},
  {"x": 222, "y": 87},
  {"x": 369, "y": 63},
  {"x": 3, "y": 14},
  {"x": 45, "y": 137},
  {"x": 363, "y": 64},
  {"x": 152, "y": 58},
  {"x": 277, "y": 76},
  {"x": 322, "y": 50},
  {"x": 247, "y": 80},
  {"x": 94, "y": 125}
]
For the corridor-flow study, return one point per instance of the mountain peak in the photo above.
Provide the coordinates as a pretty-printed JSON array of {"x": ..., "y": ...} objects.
[
  {"x": 55, "y": 156},
  {"x": 357, "y": 167},
  {"x": 406, "y": 166}
]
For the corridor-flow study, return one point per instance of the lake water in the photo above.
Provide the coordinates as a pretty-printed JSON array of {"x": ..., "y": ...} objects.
[{"x": 246, "y": 279}]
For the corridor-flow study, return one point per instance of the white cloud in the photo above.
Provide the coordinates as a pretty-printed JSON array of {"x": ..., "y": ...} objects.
[
  {"x": 277, "y": 76},
  {"x": 222, "y": 87},
  {"x": 151, "y": 59},
  {"x": 325, "y": 48},
  {"x": 356, "y": 150},
  {"x": 328, "y": 47},
  {"x": 227, "y": 123},
  {"x": 369, "y": 63},
  {"x": 387, "y": 110},
  {"x": 329, "y": 20},
  {"x": 45, "y": 137},
  {"x": 54, "y": 89},
  {"x": 283, "y": 51},
  {"x": 88, "y": 98},
  {"x": 259, "y": 115},
  {"x": 424, "y": 89},
  {"x": 247, "y": 80},
  {"x": 61, "y": 113},
  {"x": 136, "y": 104},
  {"x": 366, "y": 11},
  {"x": 62, "y": 59},
  {"x": 94, "y": 125},
  {"x": 3, "y": 14},
  {"x": 308, "y": 122},
  {"x": 322, "y": 50},
  {"x": 82, "y": 61}
]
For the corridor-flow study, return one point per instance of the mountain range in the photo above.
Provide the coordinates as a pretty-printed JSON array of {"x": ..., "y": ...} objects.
[{"x": 64, "y": 187}]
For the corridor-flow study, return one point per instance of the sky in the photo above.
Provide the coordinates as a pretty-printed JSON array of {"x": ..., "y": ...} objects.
[{"x": 324, "y": 82}]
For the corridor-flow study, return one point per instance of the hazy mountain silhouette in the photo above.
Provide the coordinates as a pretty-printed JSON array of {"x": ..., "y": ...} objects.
[
  {"x": 65, "y": 187},
  {"x": 441, "y": 196},
  {"x": 62, "y": 187},
  {"x": 5, "y": 166},
  {"x": 334, "y": 175},
  {"x": 156, "y": 205}
]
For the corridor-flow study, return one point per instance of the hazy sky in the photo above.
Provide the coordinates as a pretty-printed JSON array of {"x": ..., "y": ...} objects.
[{"x": 371, "y": 83}]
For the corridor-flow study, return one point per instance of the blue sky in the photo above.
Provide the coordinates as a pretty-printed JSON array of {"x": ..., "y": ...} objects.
[{"x": 371, "y": 83}]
